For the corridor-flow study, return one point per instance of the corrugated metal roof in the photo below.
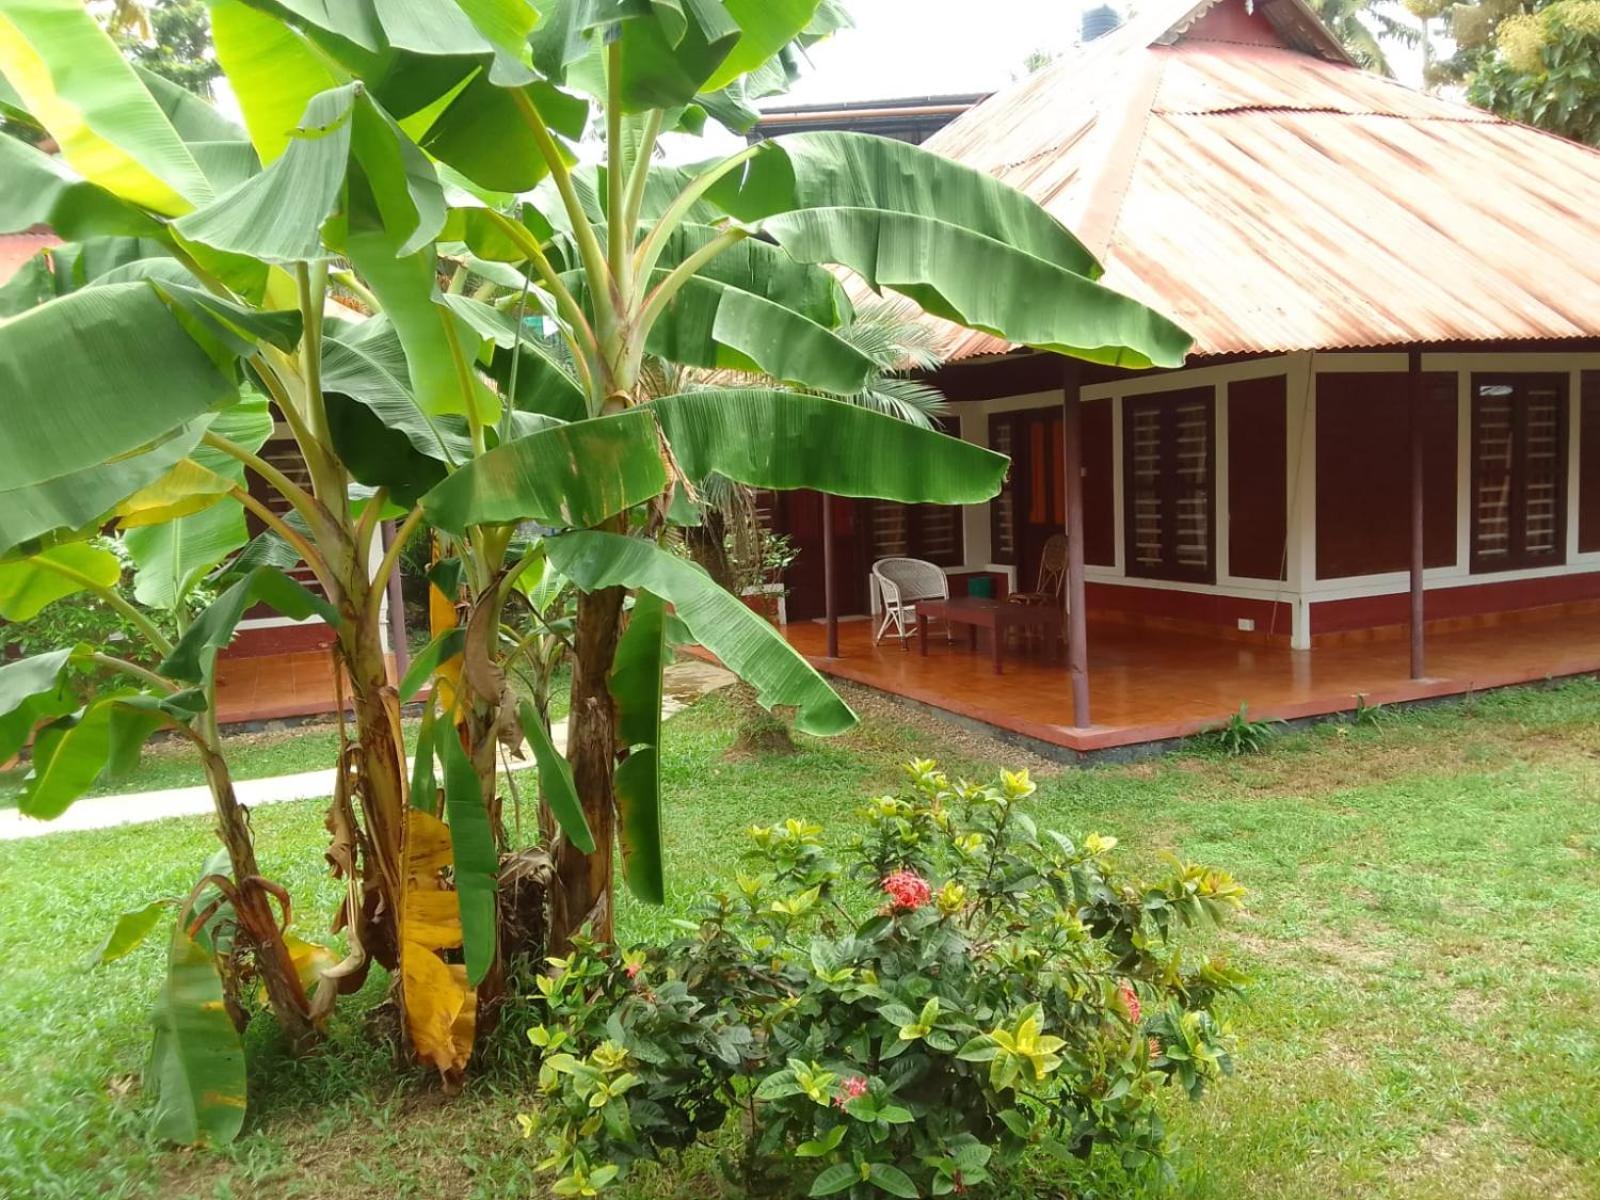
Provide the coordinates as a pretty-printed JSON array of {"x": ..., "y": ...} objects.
[{"x": 1229, "y": 174}]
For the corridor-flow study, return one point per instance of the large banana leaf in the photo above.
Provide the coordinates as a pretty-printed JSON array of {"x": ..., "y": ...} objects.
[
  {"x": 273, "y": 70},
  {"x": 482, "y": 134},
  {"x": 194, "y": 657},
  {"x": 30, "y": 585},
  {"x": 79, "y": 499},
  {"x": 572, "y": 475},
  {"x": 68, "y": 756},
  {"x": 765, "y": 27},
  {"x": 750, "y": 647},
  {"x": 32, "y": 690},
  {"x": 40, "y": 189},
  {"x": 976, "y": 281},
  {"x": 636, "y": 684},
  {"x": 195, "y": 119},
  {"x": 709, "y": 324},
  {"x": 472, "y": 851},
  {"x": 73, "y": 80},
  {"x": 94, "y": 375},
  {"x": 757, "y": 266},
  {"x": 278, "y": 215},
  {"x": 174, "y": 555},
  {"x": 784, "y": 440},
  {"x": 830, "y": 169},
  {"x": 196, "y": 1069}
]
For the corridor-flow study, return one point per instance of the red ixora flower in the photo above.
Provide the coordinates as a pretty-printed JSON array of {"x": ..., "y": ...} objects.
[
  {"x": 1130, "y": 1000},
  {"x": 849, "y": 1089},
  {"x": 632, "y": 969},
  {"x": 907, "y": 891}
]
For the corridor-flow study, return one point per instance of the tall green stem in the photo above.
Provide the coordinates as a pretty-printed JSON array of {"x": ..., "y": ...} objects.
[
  {"x": 656, "y": 241},
  {"x": 619, "y": 234}
]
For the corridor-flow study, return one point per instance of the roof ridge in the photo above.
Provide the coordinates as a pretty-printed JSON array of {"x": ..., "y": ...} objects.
[{"x": 1475, "y": 117}]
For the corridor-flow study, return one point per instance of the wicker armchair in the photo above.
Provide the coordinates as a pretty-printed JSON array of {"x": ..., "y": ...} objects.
[{"x": 901, "y": 582}]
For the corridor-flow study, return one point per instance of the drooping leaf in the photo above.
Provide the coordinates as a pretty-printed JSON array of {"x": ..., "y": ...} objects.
[
  {"x": 439, "y": 1004},
  {"x": 473, "y": 852},
  {"x": 196, "y": 1068},
  {"x": 80, "y": 499},
  {"x": 29, "y": 585},
  {"x": 175, "y": 555},
  {"x": 195, "y": 655},
  {"x": 757, "y": 266},
  {"x": 838, "y": 170},
  {"x": 278, "y": 215},
  {"x": 73, "y": 80},
  {"x": 782, "y": 440},
  {"x": 670, "y": 51},
  {"x": 32, "y": 690},
  {"x": 555, "y": 780},
  {"x": 975, "y": 281},
  {"x": 441, "y": 649},
  {"x": 636, "y": 685},
  {"x": 68, "y": 756},
  {"x": 129, "y": 933},
  {"x": 97, "y": 374},
  {"x": 749, "y": 647},
  {"x": 709, "y": 324},
  {"x": 572, "y": 475}
]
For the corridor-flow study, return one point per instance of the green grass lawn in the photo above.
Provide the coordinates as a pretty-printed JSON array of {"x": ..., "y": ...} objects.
[{"x": 1423, "y": 929}]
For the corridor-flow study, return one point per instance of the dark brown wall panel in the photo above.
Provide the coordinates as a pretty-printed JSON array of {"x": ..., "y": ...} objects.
[
  {"x": 1099, "y": 491},
  {"x": 1258, "y": 432},
  {"x": 1364, "y": 473},
  {"x": 1588, "y": 481}
]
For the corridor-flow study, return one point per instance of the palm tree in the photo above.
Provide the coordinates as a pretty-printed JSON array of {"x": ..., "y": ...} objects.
[{"x": 1362, "y": 27}]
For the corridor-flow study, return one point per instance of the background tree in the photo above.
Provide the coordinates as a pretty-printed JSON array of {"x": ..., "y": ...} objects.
[
  {"x": 1362, "y": 26},
  {"x": 1539, "y": 64}
]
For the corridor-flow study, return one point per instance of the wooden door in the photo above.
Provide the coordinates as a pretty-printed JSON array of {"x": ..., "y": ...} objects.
[{"x": 801, "y": 519}]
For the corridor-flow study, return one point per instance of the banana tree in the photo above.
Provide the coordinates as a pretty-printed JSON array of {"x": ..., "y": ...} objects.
[{"x": 386, "y": 142}]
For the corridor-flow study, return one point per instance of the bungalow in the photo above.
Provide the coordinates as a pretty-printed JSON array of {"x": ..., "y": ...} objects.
[{"x": 1377, "y": 476}]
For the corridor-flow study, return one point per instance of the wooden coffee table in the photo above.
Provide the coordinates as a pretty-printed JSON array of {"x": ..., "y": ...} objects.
[{"x": 997, "y": 616}]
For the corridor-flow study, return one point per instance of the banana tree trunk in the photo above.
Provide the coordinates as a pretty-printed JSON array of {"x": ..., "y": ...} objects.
[
  {"x": 582, "y": 893},
  {"x": 381, "y": 768},
  {"x": 256, "y": 919}
]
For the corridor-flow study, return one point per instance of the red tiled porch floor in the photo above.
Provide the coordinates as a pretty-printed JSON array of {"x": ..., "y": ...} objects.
[{"x": 1148, "y": 685}]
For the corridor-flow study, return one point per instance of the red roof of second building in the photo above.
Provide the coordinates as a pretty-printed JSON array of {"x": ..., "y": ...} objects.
[{"x": 1232, "y": 170}]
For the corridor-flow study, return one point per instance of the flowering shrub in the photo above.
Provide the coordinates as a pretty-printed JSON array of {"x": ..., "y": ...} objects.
[{"x": 1000, "y": 990}]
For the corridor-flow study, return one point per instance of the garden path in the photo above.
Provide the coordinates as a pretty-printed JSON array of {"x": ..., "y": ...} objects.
[{"x": 685, "y": 682}]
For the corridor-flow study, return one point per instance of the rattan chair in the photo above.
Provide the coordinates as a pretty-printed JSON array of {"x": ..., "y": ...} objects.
[{"x": 901, "y": 582}]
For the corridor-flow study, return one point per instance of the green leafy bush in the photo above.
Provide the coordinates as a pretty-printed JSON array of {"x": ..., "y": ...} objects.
[{"x": 961, "y": 990}]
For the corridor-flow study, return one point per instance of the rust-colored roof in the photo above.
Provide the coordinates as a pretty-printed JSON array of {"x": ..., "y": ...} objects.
[
  {"x": 18, "y": 248},
  {"x": 1232, "y": 170}
]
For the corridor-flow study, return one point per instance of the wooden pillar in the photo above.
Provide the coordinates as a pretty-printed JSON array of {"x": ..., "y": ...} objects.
[
  {"x": 397, "y": 611},
  {"x": 829, "y": 590},
  {"x": 1077, "y": 618},
  {"x": 1414, "y": 400}
]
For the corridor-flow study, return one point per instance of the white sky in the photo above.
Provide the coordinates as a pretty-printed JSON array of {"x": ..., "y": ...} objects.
[{"x": 926, "y": 47}]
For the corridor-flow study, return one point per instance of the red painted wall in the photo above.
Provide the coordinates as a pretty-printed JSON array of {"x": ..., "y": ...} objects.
[
  {"x": 1198, "y": 607},
  {"x": 1364, "y": 474},
  {"x": 1472, "y": 600},
  {"x": 280, "y": 639},
  {"x": 1257, "y": 478}
]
